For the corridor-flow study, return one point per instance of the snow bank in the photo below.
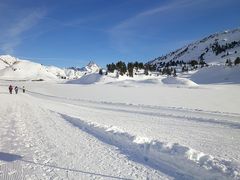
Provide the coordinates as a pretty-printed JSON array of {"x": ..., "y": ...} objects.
[
  {"x": 179, "y": 81},
  {"x": 87, "y": 79},
  {"x": 217, "y": 74},
  {"x": 182, "y": 158},
  {"x": 91, "y": 79}
]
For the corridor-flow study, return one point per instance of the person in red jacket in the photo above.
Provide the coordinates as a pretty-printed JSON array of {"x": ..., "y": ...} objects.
[{"x": 10, "y": 89}]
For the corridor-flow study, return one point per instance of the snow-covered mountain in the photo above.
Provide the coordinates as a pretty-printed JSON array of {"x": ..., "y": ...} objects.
[
  {"x": 12, "y": 68},
  {"x": 91, "y": 67},
  {"x": 214, "y": 49}
]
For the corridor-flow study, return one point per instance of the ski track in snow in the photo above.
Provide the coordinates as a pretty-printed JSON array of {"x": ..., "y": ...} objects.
[
  {"x": 39, "y": 144},
  {"x": 52, "y": 139}
]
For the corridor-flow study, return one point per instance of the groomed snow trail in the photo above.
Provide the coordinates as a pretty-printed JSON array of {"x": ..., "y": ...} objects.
[
  {"x": 47, "y": 137},
  {"x": 212, "y": 135},
  {"x": 39, "y": 144}
]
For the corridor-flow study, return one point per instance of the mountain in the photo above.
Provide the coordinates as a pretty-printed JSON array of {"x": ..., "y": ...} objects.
[
  {"x": 12, "y": 68},
  {"x": 91, "y": 67},
  {"x": 214, "y": 49},
  {"x": 16, "y": 69}
]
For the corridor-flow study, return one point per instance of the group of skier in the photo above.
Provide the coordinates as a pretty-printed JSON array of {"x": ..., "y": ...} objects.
[{"x": 10, "y": 88}]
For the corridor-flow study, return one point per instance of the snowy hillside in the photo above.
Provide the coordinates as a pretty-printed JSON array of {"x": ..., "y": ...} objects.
[
  {"x": 214, "y": 49},
  {"x": 16, "y": 69},
  {"x": 217, "y": 74},
  {"x": 12, "y": 68}
]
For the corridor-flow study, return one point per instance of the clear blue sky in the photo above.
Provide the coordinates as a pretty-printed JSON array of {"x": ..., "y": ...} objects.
[{"x": 72, "y": 32}]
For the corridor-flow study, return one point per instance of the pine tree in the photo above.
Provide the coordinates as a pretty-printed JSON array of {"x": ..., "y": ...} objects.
[
  {"x": 237, "y": 61},
  {"x": 193, "y": 63},
  {"x": 100, "y": 71},
  {"x": 146, "y": 69},
  {"x": 174, "y": 72},
  {"x": 130, "y": 67},
  {"x": 121, "y": 67},
  {"x": 230, "y": 63}
]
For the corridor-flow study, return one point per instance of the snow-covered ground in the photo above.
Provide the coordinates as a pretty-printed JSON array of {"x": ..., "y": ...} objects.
[{"x": 146, "y": 128}]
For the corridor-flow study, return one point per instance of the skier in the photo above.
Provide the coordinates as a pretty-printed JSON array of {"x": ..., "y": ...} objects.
[
  {"x": 10, "y": 88},
  {"x": 16, "y": 89},
  {"x": 23, "y": 89}
]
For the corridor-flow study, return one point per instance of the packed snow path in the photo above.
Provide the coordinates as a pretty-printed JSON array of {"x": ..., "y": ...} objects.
[
  {"x": 47, "y": 137},
  {"x": 39, "y": 144}
]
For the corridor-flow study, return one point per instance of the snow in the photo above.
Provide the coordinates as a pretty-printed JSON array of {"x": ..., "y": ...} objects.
[
  {"x": 9, "y": 60},
  {"x": 26, "y": 70},
  {"x": 91, "y": 79},
  {"x": 154, "y": 127},
  {"x": 93, "y": 126},
  {"x": 12, "y": 68},
  {"x": 194, "y": 50},
  {"x": 217, "y": 74},
  {"x": 179, "y": 81},
  {"x": 91, "y": 67}
]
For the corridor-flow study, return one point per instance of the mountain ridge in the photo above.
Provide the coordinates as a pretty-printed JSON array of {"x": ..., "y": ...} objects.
[
  {"x": 15, "y": 68},
  {"x": 213, "y": 49}
]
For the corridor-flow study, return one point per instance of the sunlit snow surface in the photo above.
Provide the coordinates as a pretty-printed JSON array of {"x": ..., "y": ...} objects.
[{"x": 148, "y": 127}]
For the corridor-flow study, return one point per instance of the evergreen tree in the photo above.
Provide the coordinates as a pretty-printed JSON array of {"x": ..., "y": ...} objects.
[
  {"x": 230, "y": 63},
  {"x": 174, "y": 72},
  {"x": 100, "y": 71},
  {"x": 226, "y": 63},
  {"x": 121, "y": 67},
  {"x": 237, "y": 61},
  {"x": 146, "y": 69},
  {"x": 130, "y": 67},
  {"x": 111, "y": 67},
  {"x": 169, "y": 72},
  {"x": 202, "y": 63},
  {"x": 140, "y": 66},
  {"x": 193, "y": 62}
]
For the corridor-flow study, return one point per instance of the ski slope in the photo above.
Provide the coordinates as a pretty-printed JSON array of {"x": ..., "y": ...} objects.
[{"x": 63, "y": 131}]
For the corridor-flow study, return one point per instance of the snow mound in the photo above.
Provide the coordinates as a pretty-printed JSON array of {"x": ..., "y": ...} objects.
[
  {"x": 179, "y": 81},
  {"x": 92, "y": 79},
  {"x": 26, "y": 70},
  {"x": 217, "y": 74},
  {"x": 155, "y": 152}
]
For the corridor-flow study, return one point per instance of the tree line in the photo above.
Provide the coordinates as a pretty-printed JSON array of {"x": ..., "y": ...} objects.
[
  {"x": 217, "y": 49},
  {"x": 229, "y": 62}
]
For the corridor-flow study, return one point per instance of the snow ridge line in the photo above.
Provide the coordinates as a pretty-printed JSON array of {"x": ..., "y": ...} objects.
[{"x": 188, "y": 162}]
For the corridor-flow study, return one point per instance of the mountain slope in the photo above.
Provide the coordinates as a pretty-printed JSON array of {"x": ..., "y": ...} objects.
[
  {"x": 26, "y": 70},
  {"x": 213, "y": 49},
  {"x": 12, "y": 68}
]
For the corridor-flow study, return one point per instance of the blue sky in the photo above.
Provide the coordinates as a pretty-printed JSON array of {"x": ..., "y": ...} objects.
[{"x": 72, "y": 32}]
